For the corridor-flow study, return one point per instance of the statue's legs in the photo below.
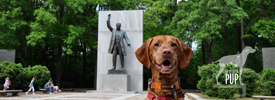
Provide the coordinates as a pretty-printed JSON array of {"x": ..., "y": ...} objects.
[
  {"x": 114, "y": 56},
  {"x": 121, "y": 56}
]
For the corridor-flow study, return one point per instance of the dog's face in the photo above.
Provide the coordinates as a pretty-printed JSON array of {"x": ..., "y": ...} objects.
[{"x": 164, "y": 53}]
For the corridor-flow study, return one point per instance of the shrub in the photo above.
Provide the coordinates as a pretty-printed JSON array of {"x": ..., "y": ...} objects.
[
  {"x": 226, "y": 93},
  {"x": 40, "y": 73},
  {"x": 249, "y": 78},
  {"x": 13, "y": 71},
  {"x": 208, "y": 80},
  {"x": 210, "y": 90},
  {"x": 206, "y": 72},
  {"x": 21, "y": 77},
  {"x": 268, "y": 82},
  {"x": 201, "y": 85}
]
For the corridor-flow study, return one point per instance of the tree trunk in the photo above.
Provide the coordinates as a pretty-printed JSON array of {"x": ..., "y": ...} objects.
[
  {"x": 242, "y": 33},
  {"x": 209, "y": 55},
  {"x": 58, "y": 65},
  {"x": 84, "y": 65},
  {"x": 203, "y": 53},
  {"x": 225, "y": 39},
  {"x": 65, "y": 69},
  {"x": 239, "y": 40},
  {"x": 26, "y": 55},
  {"x": 209, "y": 48},
  {"x": 30, "y": 55},
  {"x": 243, "y": 40}
]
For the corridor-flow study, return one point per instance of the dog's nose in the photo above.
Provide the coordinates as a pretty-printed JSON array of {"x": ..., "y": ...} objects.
[{"x": 166, "y": 52}]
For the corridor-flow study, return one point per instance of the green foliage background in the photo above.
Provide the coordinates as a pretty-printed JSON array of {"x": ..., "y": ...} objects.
[
  {"x": 250, "y": 78},
  {"x": 267, "y": 82}
]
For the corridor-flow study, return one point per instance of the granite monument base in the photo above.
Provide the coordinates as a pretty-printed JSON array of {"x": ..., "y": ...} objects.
[
  {"x": 112, "y": 82},
  {"x": 117, "y": 71}
]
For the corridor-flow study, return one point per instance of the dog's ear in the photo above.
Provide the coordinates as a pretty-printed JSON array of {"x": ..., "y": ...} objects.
[
  {"x": 185, "y": 55},
  {"x": 142, "y": 53}
]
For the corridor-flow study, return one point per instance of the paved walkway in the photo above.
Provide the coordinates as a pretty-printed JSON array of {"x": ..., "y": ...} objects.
[
  {"x": 195, "y": 96},
  {"x": 79, "y": 96}
]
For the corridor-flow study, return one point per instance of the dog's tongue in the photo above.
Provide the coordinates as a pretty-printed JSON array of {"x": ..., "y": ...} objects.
[{"x": 165, "y": 68}]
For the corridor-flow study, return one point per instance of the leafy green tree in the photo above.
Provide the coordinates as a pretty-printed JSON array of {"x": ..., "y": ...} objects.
[
  {"x": 264, "y": 22},
  {"x": 15, "y": 17},
  {"x": 158, "y": 15},
  {"x": 202, "y": 20},
  {"x": 266, "y": 28},
  {"x": 83, "y": 29},
  {"x": 66, "y": 23}
]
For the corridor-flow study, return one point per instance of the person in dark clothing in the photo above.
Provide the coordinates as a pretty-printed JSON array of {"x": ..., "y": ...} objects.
[{"x": 49, "y": 85}]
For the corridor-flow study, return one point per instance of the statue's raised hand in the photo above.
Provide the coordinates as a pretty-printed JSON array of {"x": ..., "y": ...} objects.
[{"x": 109, "y": 16}]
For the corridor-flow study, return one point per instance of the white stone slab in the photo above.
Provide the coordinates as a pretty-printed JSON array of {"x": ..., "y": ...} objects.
[
  {"x": 132, "y": 24},
  {"x": 112, "y": 82},
  {"x": 268, "y": 57},
  {"x": 6, "y": 55},
  {"x": 131, "y": 20}
]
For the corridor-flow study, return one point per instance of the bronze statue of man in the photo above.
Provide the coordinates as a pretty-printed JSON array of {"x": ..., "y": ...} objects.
[{"x": 117, "y": 44}]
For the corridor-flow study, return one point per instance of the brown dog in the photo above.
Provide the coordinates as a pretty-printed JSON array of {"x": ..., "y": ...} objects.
[{"x": 164, "y": 54}]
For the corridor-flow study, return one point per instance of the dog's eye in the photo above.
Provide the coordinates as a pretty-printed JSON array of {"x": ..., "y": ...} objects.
[
  {"x": 156, "y": 44},
  {"x": 173, "y": 44}
]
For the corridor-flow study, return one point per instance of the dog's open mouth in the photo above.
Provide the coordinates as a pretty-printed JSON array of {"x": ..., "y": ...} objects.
[{"x": 166, "y": 66}]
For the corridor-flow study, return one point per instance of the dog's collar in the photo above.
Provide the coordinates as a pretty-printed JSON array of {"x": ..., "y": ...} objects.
[
  {"x": 158, "y": 85},
  {"x": 151, "y": 97}
]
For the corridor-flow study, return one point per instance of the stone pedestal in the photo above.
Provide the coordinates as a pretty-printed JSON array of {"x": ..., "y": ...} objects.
[
  {"x": 112, "y": 82},
  {"x": 117, "y": 72}
]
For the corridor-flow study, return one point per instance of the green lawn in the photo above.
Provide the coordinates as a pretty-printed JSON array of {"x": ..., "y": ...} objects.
[{"x": 236, "y": 97}]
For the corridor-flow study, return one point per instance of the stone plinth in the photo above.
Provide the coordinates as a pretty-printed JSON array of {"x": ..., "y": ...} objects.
[
  {"x": 112, "y": 82},
  {"x": 117, "y": 72},
  {"x": 132, "y": 23}
]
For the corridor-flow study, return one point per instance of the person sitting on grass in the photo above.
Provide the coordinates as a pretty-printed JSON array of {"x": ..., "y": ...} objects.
[
  {"x": 49, "y": 85},
  {"x": 7, "y": 84},
  {"x": 31, "y": 87}
]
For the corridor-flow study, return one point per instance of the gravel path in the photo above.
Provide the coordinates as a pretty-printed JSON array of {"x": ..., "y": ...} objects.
[{"x": 79, "y": 96}]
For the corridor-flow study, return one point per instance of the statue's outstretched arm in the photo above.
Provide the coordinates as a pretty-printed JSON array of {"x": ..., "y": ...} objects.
[{"x": 108, "y": 23}]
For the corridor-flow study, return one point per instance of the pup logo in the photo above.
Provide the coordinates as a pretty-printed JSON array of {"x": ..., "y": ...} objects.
[
  {"x": 232, "y": 76},
  {"x": 238, "y": 60}
]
